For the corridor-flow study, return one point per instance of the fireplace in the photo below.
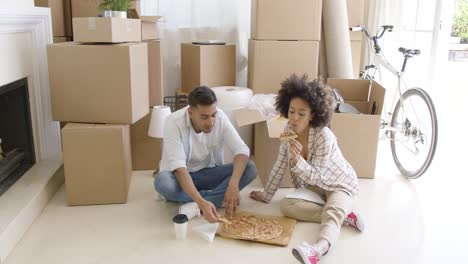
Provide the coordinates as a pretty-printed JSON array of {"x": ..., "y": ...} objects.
[
  {"x": 17, "y": 144},
  {"x": 24, "y": 35}
]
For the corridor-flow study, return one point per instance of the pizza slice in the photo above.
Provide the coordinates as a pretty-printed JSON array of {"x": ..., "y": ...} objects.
[{"x": 288, "y": 135}]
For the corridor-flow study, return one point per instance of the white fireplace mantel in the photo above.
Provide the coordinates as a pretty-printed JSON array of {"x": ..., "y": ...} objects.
[
  {"x": 25, "y": 200},
  {"x": 36, "y": 21}
]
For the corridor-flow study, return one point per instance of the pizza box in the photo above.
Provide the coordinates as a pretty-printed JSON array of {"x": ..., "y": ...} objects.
[{"x": 288, "y": 225}]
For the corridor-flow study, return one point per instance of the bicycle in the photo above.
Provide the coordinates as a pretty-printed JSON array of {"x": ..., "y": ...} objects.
[{"x": 412, "y": 125}]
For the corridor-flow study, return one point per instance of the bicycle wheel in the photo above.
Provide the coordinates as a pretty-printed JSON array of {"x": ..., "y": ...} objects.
[{"x": 413, "y": 133}]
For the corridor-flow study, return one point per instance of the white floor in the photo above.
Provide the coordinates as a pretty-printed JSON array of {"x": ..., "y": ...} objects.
[{"x": 418, "y": 221}]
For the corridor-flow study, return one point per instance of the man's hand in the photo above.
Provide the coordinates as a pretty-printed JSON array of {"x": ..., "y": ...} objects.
[
  {"x": 295, "y": 149},
  {"x": 231, "y": 200},
  {"x": 256, "y": 195},
  {"x": 209, "y": 211}
]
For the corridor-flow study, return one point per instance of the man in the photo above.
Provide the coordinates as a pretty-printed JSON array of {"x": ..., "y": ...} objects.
[{"x": 192, "y": 170}]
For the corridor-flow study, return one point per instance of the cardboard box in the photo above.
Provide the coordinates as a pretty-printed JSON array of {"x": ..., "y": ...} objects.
[
  {"x": 68, "y": 18},
  {"x": 286, "y": 20},
  {"x": 98, "y": 83},
  {"x": 90, "y": 8},
  {"x": 58, "y": 15},
  {"x": 357, "y": 134},
  {"x": 271, "y": 62},
  {"x": 155, "y": 73},
  {"x": 146, "y": 151},
  {"x": 61, "y": 39},
  {"x": 106, "y": 30},
  {"x": 356, "y": 57},
  {"x": 150, "y": 27},
  {"x": 97, "y": 163},
  {"x": 355, "y": 17},
  {"x": 267, "y": 143},
  {"x": 209, "y": 65}
]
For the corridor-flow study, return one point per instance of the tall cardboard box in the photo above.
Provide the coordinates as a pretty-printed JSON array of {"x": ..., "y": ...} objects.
[
  {"x": 356, "y": 57},
  {"x": 209, "y": 65},
  {"x": 271, "y": 62},
  {"x": 286, "y": 20},
  {"x": 355, "y": 16},
  {"x": 97, "y": 163},
  {"x": 106, "y": 30},
  {"x": 357, "y": 134},
  {"x": 155, "y": 73},
  {"x": 90, "y": 8},
  {"x": 98, "y": 83},
  {"x": 58, "y": 15},
  {"x": 146, "y": 151}
]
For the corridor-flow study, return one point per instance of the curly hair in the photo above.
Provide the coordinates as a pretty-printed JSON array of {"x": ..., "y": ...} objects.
[{"x": 315, "y": 93}]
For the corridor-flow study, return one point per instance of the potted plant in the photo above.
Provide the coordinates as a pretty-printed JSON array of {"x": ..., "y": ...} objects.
[{"x": 115, "y": 8}]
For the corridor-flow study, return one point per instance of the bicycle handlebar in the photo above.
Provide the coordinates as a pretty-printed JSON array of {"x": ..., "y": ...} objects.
[{"x": 377, "y": 36}]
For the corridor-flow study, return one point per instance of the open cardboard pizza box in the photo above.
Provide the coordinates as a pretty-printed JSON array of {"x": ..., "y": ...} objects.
[{"x": 288, "y": 225}]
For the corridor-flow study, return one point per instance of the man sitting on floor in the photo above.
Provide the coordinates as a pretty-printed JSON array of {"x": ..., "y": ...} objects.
[{"x": 192, "y": 170}]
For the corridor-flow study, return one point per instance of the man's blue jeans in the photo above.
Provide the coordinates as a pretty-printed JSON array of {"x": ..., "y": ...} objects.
[{"x": 211, "y": 183}]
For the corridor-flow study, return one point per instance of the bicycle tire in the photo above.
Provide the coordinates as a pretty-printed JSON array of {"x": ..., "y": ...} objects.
[{"x": 434, "y": 136}]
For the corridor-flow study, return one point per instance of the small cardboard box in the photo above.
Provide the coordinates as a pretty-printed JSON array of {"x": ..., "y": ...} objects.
[
  {"x": 98, "y": 83},
  {"x": 155, "y": 72},
  {"x": 286, "y": 20},
  {"x": 57, "y": 10},
  {"x": 106, "y": 30},
  {"x": 150, "y": 27},
  {"x": 97, "y": 163},
  {"x": 357, "y": 134},
  {"x": 90, "y": 8},
  {"x": 267, "y": 143},
  {"x": 209, "y": 65},
  {"x": 146, "y": 151},
  {"x": 271, "y": 62}
]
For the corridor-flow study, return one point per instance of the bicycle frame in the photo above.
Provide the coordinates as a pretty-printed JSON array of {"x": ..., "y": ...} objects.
[{"x": 380, "y": 60}]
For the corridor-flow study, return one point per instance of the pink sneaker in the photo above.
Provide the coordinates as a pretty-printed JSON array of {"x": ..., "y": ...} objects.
[
  {"x": 354, "y": 220},
  {"x": 305, "y": 253}
]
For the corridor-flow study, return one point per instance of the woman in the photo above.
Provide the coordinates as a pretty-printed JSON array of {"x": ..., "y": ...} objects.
[{"x": 315, "y": 163}]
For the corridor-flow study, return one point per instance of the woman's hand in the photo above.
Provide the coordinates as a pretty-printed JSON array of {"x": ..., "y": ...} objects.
[
  {"x": 256, "y": 195},
  {"x": 295, "y": 149}
]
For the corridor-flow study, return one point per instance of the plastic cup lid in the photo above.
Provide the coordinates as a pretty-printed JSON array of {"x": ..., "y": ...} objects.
[{"x": 180, "y": 219}]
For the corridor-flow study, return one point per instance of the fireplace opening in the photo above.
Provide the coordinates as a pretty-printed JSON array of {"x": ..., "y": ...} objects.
[{"x": 16, "y": 138}]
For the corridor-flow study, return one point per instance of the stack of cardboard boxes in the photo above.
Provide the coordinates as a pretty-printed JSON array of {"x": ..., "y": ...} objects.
[
  {"x": 61, "y": 18},
  {"x": 285, "y": 40},
  {"x": 355, "y": 18},
  {"x": 100, "y": 82}
]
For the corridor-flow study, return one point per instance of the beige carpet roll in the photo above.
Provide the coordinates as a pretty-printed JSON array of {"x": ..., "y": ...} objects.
[{"x": 337, "y": 44}]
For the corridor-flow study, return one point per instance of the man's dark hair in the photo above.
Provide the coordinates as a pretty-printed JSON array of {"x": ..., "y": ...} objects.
[
  {"x": 201, "y": 95},
  {"x": 315, "y": 93}
]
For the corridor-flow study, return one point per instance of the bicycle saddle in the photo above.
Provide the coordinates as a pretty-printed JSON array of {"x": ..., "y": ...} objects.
[{"x": 409, "y": 52}]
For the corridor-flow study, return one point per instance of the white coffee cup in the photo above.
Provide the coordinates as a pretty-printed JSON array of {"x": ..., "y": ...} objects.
[{"x": 180, "y": 226}]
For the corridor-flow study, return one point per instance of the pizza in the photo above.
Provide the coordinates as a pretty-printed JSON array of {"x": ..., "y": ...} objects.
[
  {"x": 253, "y": 228},
  {"x": 288, "y": 135}
]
